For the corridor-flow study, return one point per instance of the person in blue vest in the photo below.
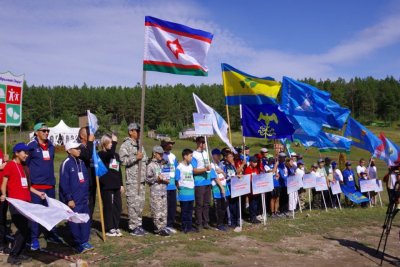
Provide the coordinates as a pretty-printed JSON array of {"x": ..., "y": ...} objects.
[
  {"x": 40, "y": 162},
  {"x": 74, "y": 192}
]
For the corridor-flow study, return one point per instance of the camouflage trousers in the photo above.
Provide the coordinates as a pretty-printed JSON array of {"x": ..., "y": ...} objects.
[
  {"x": 135, "y": 204},
  {"x": 159, "y": 210},
  {"x": 302, "y": 197}
]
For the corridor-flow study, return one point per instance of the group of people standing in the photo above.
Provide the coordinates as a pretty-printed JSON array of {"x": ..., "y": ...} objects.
[{"x": 194, "y": 182}]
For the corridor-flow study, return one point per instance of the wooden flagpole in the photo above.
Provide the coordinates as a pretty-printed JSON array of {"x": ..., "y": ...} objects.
[
  {"x": 103, "y": 229},
  {"x": 229, "y": 123},
  {"x": 5, "y": 140},
  {"x": 140, "y": 145}
]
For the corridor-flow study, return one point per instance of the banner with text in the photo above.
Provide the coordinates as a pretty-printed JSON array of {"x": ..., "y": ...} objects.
[
  {"x": 262, "y": 183},
  {"x": 11, "y": 89},
  {"x": 240, "y": 185}
]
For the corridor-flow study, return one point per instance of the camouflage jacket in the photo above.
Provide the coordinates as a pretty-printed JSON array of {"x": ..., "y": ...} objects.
[
  {"x": 127, "y": 154},
  {"x": 153, "y": 170}
]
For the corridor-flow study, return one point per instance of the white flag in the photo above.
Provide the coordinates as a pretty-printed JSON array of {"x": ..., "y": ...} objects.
[
  {"x": 93, "y": 124},
  {"x": 219, "y": 124},
  {"x": 49, "y": 216}
]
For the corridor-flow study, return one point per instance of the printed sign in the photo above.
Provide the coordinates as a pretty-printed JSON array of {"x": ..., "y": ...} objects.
[
  {"x": 309, "y": 180},
  {"x": 262, "y": 183},
  {"x": 367, "y": 185},
  {"x": 320, "y": 184},
  {"x": 203, "y": 124},
  {"x": 240, "y": 186},
  {"x": 294, "y": 183},
  {"x": 379, "y": 187},
  {"x": 335, "y": 187},
  {"x": 11, "y": 89}
]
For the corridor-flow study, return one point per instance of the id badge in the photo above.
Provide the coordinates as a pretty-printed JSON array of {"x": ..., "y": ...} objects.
[
  {"x": 46, "y": 155},
  {"x": 81, "y": 178},
  {"x": 351, "y": 178},
  {"x": 24, "y": 182},
  {"x": 114, "y": 164}
]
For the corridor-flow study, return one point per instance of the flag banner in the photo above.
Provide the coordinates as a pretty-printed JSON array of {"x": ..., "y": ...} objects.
[
  {"x": 303, "y": 138},
  {"x": 48, "y": 216},
  {"x": 11, "y": 91},
  {"x": 367, "y": 185},
  {"x": 240, "y": 186},
  {"x": 294, "y": 183},
  {"x": 335, "y": 187},
  {"x": 265, "y": 121},
  {"x": 203, "y": 124},
  {"x": 175, "y": 48},
  {"x": 262, "y": 183},
  {"x": 337, "y": 115},
  {"x": 354, "y": 195},
  {"x": 379, "y": 186},
  {"x": 387, "y": 151},
  {"x": 332, "y": 142},
  {"x": 93, "y": 122},
  {"x": 98, "y": 164},
  {"x": 219, "y": 124},
  {"x": 360, "y": 136},
  {"x": 320, "y": 184},
  {"x": 309, "y": 180},
  {"x": 242, "y": 88}
]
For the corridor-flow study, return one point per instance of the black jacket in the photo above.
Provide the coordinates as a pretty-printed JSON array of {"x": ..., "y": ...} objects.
[{"x": 113, "y": 178}]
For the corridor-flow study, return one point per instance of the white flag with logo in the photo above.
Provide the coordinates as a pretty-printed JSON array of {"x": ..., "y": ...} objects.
[{"x": 93, "y": 123}]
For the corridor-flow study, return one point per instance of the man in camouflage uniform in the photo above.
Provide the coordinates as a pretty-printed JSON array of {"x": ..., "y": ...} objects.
[
  {"x": 130, "y": 158},
  {"x": 158, "y": 191}
]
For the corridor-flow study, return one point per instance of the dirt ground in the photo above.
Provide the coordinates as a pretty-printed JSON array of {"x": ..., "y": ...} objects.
[{"x": 342, "y": 247}]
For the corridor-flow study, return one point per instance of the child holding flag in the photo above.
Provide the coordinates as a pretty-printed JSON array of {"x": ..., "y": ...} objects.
[{"x": 17, "y": 185}]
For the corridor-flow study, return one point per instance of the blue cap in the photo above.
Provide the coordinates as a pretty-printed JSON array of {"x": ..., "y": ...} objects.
[
  {"x": 334, "y": 164},
  {"x": 20, "y": 147},
  {"x": 215, "y": 151}
]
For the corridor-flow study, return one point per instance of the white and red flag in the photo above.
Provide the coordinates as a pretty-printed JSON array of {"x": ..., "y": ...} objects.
[{"x": 175, "y": 48}]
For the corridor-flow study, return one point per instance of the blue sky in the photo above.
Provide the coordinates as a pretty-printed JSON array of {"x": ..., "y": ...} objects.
[{"x": 101, "y": 42}]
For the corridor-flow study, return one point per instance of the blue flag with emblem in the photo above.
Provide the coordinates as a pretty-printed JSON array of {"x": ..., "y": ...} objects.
[
  {"x": 360, "y": 136},
  {"x": 265, "y": 121},
  {"x": 351, "y": 193},
  {"x": 324, "y": 141},
  {"x": 99, "y": 166}
]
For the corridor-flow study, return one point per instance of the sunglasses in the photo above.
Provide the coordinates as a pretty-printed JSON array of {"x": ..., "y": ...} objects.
[{"x": 45, "y": 131}]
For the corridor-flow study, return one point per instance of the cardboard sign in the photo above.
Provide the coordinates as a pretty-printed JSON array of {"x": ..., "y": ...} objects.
[
  {"x": 379, "y": 187},
  {"x": 203, "y": 124},
  {"x": 240, "y": 187},
  {"x": 320, "y": 184},
  {"x": 11, "y": 90},
  {"x": 335, "y": 187},
  {"x": 309, "y": 180},
  {"x": 367, "y": 185},
  {"x": 294, "y": 183},
  {"x": 262, "y": 183}
]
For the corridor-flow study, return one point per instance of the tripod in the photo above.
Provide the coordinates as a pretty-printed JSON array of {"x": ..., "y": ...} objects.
[{"x": 390, "y": 214}]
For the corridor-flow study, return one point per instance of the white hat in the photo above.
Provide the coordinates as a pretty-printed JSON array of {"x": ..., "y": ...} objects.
[
  {"x": 264, "y": 150},
  {"x": 71, "y": 144},
  {"x": 293, "y": 154}
]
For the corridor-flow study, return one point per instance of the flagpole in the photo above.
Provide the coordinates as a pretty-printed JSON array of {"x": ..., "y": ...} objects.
[
  {"x": 103, "y": 229},
  {"x": 140, "y": 145},
  {"x": 229, "y": 123},
  {"x": 5, "y": 140}
]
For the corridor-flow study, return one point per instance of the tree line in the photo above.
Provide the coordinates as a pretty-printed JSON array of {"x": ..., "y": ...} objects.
[{"x": 169, "y": 108}]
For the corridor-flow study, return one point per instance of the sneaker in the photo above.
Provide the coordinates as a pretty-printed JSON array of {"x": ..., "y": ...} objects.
[
  {"x": 144, "y": 231},
  {"x": 5, "y": 250},
  {"x": 13, "y": 260},
  {"x": 255, "y": 221},
  {"x": 206, "y": 226},
  {"x": 112, "y": 232},
  {"x": 137, "y": 232},
  {"x": 119, "y": 233},
  {"x": 87, "y": 246},
  {"x": 199, "y": 228},
  {"x": 237, "y": 229},
  {"x": 222, "y": 228},
  {"x": 163, "y": 232},
  {"x": 171, "y": 230},
  {"x": 35, "y": 245},
  {"x": 55, "y": 239},
  {"x": 259, "y": 217},
  {"x": 24, "y": 257}
]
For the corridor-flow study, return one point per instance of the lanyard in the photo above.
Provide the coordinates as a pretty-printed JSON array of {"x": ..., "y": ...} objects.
[{"x": 19, "y": 172}]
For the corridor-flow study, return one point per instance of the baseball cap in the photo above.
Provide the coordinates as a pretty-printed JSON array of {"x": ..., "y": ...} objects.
[
  {"x": 293, "y": 154},
  {"x": 20, "y": 147},
  {"x": 158, "y": 149},
  {"x": 334, "y": 164},
  {"x": 283, "y": 155},
  {"x": 40, "y": 126},
  {"x": 72, "y": 144},
  {"x": 133, "y": 126},
  {"x": 314, "y": 165},
  {"x": 320, "y": 160},
  {"x": 166, "y": 141},
  {"x": 215, "y": 151},
  {"x": 246, "y": 147},
  {"x": 348, "y": 163},
  {"x": 300, "y": 162},
  {"x": 253, "y": 159},
  {"x": 264, "y": 150}
]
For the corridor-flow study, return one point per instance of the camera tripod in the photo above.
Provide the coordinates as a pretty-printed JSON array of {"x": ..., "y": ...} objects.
[{"x": 387, "y": 226}]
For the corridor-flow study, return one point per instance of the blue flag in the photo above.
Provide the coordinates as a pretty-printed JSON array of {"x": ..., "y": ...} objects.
[
  {"x": 265, "y": 121},
  {"x": 324, "y": 141},
  {"x": 360, "y": 136},
  {"x": 99, "y": 166},
  {"x": 351, "y": 193},
  {"x": 336, "y": 116}
]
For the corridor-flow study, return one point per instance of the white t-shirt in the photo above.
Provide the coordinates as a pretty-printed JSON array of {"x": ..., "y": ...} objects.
[
  {"x": 170, "y": 158},
  {"x": 186, "y": 175},
  {"x": 201, "y": 158},
  {"x": 337, "y": 174},
  {"x": 361, "y": 169}
]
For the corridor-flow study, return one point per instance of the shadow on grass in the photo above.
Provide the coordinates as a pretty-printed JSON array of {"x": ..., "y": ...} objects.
[{"x": 363, "y": 249}]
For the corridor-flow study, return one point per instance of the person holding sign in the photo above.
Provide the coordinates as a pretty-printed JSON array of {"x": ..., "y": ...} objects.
[
  {"x": 158, "y": 191},
  {"x": 170, "y": 167},
  {"x": 230, "y": 171},
  {"x": 111, "y": 185},
  {"x": 220, "y": 192},
  {"x": 275, "y": 193},
  {"x": 201, "y": 170},
  {"x": 185, "y": 184},
  {"x": 41, "y": 170},
  {"x": 16, "y": 185},
  {"x": 253, "y": 169},
  {"x": 74, "y": 192},
  {"x": 318, "y": 202}
]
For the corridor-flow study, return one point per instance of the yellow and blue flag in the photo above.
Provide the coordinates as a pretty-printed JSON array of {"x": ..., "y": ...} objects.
[
  {"x": 242, "y": 88},
  {"x": 265, "y": 121}
]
